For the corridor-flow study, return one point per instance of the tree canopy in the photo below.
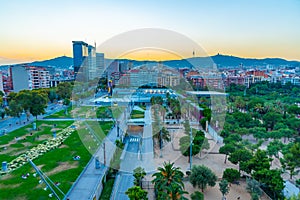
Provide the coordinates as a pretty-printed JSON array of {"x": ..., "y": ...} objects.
[{"x": 201, "y": 176}]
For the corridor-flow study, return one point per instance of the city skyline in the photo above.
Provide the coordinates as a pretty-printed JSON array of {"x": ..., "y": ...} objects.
[{"x": 252, "y": 29}]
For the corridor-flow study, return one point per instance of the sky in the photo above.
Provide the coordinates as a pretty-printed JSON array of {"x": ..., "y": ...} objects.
[{"x": 37, "y": 30}]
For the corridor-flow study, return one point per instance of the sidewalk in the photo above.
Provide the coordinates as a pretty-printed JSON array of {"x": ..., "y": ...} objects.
[{"x": 88, "y": 184}]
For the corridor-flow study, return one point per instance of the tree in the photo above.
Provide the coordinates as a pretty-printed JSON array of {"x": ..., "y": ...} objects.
[
  {"x": 136, "y": 193},
  {"x": 258, "y": 132},
  {"x": 294, "y": 109},
  {"x": 253, "y": 187},
  {"x": 295, "y": 150},
  {"x": 24, "y": 98},
  {"x": 232, "y": 139},
  {"x": 207, "y": 113},
  {"x": 231, "y": 175},
  {"x": 52, "y": 95},
  {"x": 224, "y": 188},
  {"x": 294, "y": 124},
  {"x": 271, "y": 118},
  {"x": 240, "y": 155},
  {"x": 286, "y": 133},
  {"x": 1, "y": 97},
  {"x": 272, "y": 182},
  {"x": 274, "y": 147},
  {"x": 203, "y": 122},
  {"x": 227, "y": 149},
  {"x": 205, "y": 145},
  {"x": 187, "y": 127},
  {"x": 202, "y": 176},
  {"x": 64, "y": 90},
  {"x": 156, "y": 100},
  {"x": 168, "y": 181},
  {"x": 164, "y": 135},
  {"x": 197, "y": 196},
  {"x": 258, "y": 162},
  {"x": 38, "y": 103},
  {"x": 15, "y": 109},
  {"x": 2, "y": 112},
  {"x": 196, "y": 144},
  {"x": 240, "y": 103},
  {"x": 138, "y": 174},
  {"x": 291, "y": 160}
]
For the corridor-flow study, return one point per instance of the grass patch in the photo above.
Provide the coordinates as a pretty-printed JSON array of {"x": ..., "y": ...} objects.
[
  {"x": 107, "y": 189},
  {"x": 143, "y": 107},
  {"x": 17, "y": 145},
  {"x": 24, "y": 138},
  {"x": 60, "y": 114},
  {"x": 136, "y": 114},
  {"x": 74, "y": 112},
  {"x": 30, "y": 188},
  {"x": 109, "y": 112},
  {"x": 58, "y": 164}
]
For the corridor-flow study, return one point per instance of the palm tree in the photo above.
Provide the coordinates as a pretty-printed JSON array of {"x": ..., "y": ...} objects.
[
  {"x": 163, "y": 136},
  {"x": 138, "y": 173},
  {"x": 168, "y": 182}
]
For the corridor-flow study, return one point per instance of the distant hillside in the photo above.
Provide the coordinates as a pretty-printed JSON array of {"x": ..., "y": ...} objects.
[
  {"x": 59, "y": 62},
  {"x": 219, "y": 60},
  {"x": 232, "y": 61},
  {"x": 225, "y": 60}
]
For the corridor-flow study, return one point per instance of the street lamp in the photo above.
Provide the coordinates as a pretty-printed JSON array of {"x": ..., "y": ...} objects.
[
  {"x": 191, "y": 146},
  {"x": 160, "y": 143}
]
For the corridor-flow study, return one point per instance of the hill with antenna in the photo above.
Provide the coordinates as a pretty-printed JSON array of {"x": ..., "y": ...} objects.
[
  {"x": 221, "y": 61},
  {"x": 59, "y": 62}
]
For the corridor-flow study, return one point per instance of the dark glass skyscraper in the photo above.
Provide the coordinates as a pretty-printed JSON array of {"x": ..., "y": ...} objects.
[{"x": 80, "y": 52}]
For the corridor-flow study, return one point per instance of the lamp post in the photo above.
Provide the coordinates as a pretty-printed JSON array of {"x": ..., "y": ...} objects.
[
  {"x": 191, "y": 145},
  {"x": 160, "y": 143},
  {"x": 118, "y": 129}
]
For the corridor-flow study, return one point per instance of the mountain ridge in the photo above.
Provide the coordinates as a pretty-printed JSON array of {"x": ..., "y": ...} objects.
[{"x": 219, "y": 59}]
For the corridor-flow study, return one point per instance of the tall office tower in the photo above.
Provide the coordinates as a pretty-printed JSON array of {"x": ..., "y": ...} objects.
[
  {"x": 80, "y": 52},
  {"x": 91, "y": 62},
  {"x": 99, "y": 64}
]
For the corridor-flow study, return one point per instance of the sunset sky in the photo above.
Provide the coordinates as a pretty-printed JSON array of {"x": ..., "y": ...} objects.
[{"x": 36, "y": 30}]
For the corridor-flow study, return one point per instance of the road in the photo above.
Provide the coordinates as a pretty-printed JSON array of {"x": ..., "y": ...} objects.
[
  {"x": 12, "y": 123},
  {"x": 134, "y": 159},
  {"x": 91, "y": 178}
]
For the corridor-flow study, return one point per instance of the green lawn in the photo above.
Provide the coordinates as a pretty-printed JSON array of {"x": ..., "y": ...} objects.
[
  {"x": 14, "y": 187},
  {"x": 109, "y": 111},
  {"x": 58, "y": 164},
  {"x": 60, "y": 114},
  {"x": 143, "y": 107},
  {"x": 74, "y": 112},
  {"x": 135, "y": 114},
  {"x": 17, "y": 142},
  {"x": 92, "y": 133},
  {"x": 107, "y": 189}
]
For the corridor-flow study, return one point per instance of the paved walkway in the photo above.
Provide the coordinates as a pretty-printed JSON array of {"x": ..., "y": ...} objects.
[
  {"x": 133, "y": 159},
  {"x": 90, "y": 179},
  {"x": 78, "y": 119}
]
